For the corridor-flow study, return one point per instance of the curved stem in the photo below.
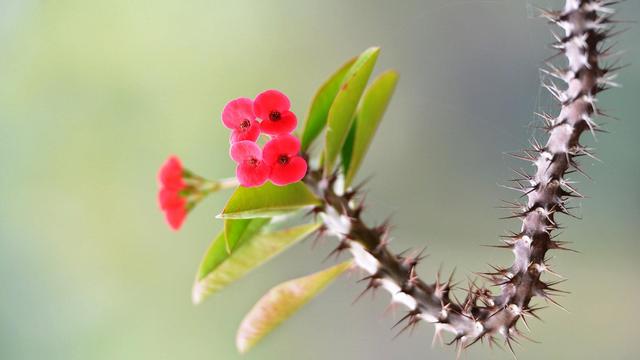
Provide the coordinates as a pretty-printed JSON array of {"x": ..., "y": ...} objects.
[{"x": 481, "y": 314}]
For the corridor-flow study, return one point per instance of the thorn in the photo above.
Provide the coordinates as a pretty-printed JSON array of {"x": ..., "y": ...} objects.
[
  {"x": 548, "y": 298},
  {"x": 450, "y": 280},
  {"x": 372, "y": 285},
  {"x": 413, "y": 278},
  {"x": 525, "y": 157},
  {"x": 319, "y": 236},
  {"x": 479, "y": 337},
  {"x": 437, "y": 335},
  {"x": 548, "y": 286},
  {"x": 493, "y": 341},
  {"x": 456, "y": 339},
  {"x": 508, "y": 342},
  {"x": 527, "y": 337},
  {"x": 575, "y": 165},
  {"x": 413, "y": 320},
  {"x": 412, "y": 260},
  {"x": 390, "y": 309},
  {"x": 531, "y": 311},
  {"x": 343, "y": 245},
  {"x": 559, "y": 245},
  {"x": 384, "y": 241},
  {"x": 459, "y": 349},
  {"x": 524, "y": 321}
]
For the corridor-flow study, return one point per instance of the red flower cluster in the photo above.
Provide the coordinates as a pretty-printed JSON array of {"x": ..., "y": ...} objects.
[
  {"x": 279, "y": 160},
  {"x": 169, "y": 198}
]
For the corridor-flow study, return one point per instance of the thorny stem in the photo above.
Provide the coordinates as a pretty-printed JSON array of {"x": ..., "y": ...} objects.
[{"x": 587, "y": 24}]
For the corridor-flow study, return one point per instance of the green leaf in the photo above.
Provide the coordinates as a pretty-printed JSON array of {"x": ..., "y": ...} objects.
[
  {"x": 341, "y": 113},
  {"x": 282, "y": 301},
  {"x": 219, "y": 268},
  {"x": 372, "y": 107},
  {"x": 238, "y": 230},
  {"x": 268, "y": 200},
  {"x": 317, "y": 116},
  {"x": 347, "y": 148}
]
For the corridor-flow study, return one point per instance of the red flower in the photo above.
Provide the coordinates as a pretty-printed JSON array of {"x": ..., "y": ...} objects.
[
  {"x": 238, "y": 115},
  {"x": 251, "y": 170},
  {"x": 170, "y": 175},
  {"x": 169, "y": 198},
  {"x": 281, "y": 154},
  {"x": 272, "y": 107},
  {"x": 175, "y": 217}
]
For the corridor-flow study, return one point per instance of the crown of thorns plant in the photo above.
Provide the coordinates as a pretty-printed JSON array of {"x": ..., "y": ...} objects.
[{"x": 275, "y": 182}]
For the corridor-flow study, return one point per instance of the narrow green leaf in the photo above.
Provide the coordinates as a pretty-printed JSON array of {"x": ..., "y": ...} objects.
[
  {"x": 319, "y": 109},
  {"x": 238, "y": 230},
  {"x": 347, "y": 148},
  {"x": 219, "y": 268},
  {"x": 281, "y": 302},
  {"x": 372, "y": 107},
  {"x": 268, "y": 200},
  {"x": 341, "y": 113},
  {"x": 215, "y": 255}
]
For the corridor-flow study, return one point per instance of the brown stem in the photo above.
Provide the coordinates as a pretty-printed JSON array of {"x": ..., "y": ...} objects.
[{"x": 481, "y": 314}]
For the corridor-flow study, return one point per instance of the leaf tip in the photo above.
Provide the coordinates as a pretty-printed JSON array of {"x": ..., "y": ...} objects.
[
  {"x": 375, "y": 48},
  {"x": 242, "y": 344},
  {"x": 197, "y": 293},
  {"x": 392, "y": 72}
]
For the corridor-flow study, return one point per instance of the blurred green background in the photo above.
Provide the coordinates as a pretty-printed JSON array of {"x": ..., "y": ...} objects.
[{"x": 95, "y": 94}]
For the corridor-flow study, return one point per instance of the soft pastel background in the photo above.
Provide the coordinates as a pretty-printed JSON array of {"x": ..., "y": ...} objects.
[{"x": 95, "y": 94}]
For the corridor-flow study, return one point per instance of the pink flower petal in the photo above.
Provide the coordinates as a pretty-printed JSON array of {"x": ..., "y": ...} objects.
[
  {"x": 250, "y": 132},
  {"x": 175, "y": 217},
  {"x": 245, "y": 150},
  {"x": 285, "y": 145},
  {"x": 270, "y": 101},
  {"x": 236, "y": 111},
  {"x": 170, "y": 175},
  {"x": 293, "y": 171},
  {"x": 170, "y": 199},
  {"x": 252, "y": 175},
  {"x": 284, "y": 125}
]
